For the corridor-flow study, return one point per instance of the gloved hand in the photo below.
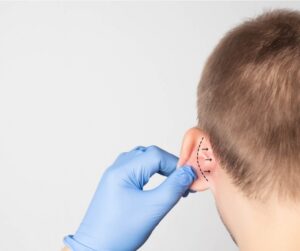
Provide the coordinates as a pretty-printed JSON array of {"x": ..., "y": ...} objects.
[{"x": 121, "y": 216}]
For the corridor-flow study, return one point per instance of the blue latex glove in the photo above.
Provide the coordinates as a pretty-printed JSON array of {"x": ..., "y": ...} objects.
[{"x": 121, "y": 216}]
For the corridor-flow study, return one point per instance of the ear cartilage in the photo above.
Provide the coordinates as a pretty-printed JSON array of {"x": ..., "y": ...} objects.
[{"x": 198, "y": 159}]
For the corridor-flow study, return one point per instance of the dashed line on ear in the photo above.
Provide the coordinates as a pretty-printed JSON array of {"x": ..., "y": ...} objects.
[{"x": 198, "y": 159}]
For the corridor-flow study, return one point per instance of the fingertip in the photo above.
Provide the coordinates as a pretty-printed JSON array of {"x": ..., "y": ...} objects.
[
  {"x": 190, "y": 170},
  {"x": 185, "y": 178}
]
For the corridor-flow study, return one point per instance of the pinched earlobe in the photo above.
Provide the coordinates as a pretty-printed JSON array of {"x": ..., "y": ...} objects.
[{"x": 196, "y": 152}]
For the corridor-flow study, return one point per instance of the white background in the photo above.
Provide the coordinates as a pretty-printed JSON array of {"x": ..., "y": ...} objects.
[{"x": 82, "y": 82}]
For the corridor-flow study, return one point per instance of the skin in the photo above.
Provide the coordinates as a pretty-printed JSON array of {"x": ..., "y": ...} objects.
[{"x": 253, "y": 225}]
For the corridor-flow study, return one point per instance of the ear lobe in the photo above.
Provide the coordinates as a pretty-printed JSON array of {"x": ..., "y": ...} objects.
[{"x": 196, "y": 152}]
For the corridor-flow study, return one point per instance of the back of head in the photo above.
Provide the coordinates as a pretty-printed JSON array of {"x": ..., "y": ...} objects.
[{"x": 249, "y": 104}]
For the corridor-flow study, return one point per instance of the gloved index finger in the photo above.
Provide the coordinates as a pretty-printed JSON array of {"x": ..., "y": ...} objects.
[
  {"x": 151, "y": 160},
  {"x": 160, "y": 161}
]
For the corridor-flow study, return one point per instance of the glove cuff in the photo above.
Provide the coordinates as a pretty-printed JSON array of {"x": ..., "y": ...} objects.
[{"x": 74, "y": 245}]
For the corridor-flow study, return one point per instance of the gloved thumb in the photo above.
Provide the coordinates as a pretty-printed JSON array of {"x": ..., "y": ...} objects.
[{"x": 176, "y": 184}]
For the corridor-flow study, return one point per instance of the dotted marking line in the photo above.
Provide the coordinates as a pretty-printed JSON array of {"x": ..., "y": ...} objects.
[{"x": 198, "y": 159}]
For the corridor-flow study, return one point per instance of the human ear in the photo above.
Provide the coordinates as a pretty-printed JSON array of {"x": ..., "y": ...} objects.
[{"x": 196, "y": 151}]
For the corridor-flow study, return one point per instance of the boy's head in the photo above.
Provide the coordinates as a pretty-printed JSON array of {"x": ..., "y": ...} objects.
[{"x": 249, "y": 115}]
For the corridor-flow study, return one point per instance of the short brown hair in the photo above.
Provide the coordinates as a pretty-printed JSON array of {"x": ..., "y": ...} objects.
[{"x": 249, "y": 104}]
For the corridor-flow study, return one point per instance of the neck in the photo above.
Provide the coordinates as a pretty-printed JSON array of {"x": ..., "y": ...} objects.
[{"x": 269, "y": 226}]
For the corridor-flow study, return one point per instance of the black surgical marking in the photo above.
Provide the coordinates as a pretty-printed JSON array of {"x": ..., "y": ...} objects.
[{"x": 198, "y": 159}]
